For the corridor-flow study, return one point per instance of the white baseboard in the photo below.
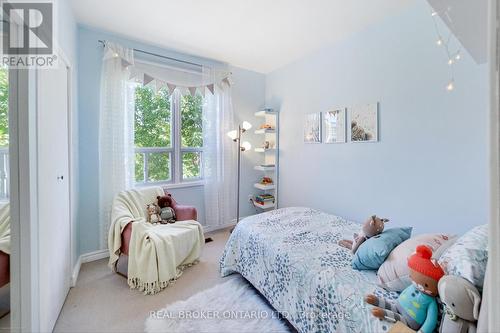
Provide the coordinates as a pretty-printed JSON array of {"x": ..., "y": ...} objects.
[
  {"x": 84, "y": 258},
  {"x": 222, "y": 226},
  {"x": 93, "y": 256},
  {"x": 76, "y": 271}
]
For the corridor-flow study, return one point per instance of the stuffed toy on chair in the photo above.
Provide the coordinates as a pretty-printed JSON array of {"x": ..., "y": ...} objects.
[
  {"x": 416, "y": 306},
  {"x": 153, "y": 216},
  {"x": 167, "y": 213},
  {"x": 372, "y": 227},
  {"x": 462, "y": 300}
]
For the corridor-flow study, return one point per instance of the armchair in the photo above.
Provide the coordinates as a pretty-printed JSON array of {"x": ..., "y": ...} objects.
[{"x": 182, "y": 213}]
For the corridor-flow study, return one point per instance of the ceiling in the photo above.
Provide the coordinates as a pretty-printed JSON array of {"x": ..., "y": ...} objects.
[
  {"x": 261, "y": 35},
  {"x": 469, "y": 23}
]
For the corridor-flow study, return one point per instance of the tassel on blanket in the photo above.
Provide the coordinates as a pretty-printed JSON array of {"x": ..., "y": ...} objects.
[{"x": 152, "y": 288}]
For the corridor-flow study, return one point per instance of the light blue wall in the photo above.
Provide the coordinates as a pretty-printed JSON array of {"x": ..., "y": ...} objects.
[
  {"x": 429, "y": 169},
  {"x": 248, "y": 96}
]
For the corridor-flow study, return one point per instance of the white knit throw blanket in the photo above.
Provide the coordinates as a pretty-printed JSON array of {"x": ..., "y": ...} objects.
[{"x": 157, "y": 253}]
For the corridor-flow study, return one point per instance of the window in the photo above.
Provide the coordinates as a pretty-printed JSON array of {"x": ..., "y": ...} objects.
[{"x": 168, "y": 136}]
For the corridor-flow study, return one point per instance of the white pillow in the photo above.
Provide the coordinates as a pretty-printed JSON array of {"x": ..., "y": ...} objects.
[
  {"x": 468, "y": 256},
  {"x": 394, "y": 274}
]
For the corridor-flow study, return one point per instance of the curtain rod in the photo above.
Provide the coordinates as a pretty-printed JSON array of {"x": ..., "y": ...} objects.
[{"x": 159, "y": 55}]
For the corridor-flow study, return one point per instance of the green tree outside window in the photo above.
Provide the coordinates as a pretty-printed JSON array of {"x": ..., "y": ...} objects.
[{"x": 154, "y": 129}]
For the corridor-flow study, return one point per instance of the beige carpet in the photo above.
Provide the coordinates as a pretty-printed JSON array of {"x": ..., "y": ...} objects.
[{"x": 101, "y": 301}]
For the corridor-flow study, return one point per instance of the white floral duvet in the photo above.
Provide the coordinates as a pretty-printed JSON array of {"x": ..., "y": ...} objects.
[{"x": 292, "y": 257}]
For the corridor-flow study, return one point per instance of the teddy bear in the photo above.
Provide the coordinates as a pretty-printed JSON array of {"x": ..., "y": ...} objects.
[
  {"x": 462, "y": 300},
  {"x": 167, "y": 213},
  {"x": 153, "y": 216},
  {"x": 372, "y": 227},
  {"x": 416, "y": 306}
]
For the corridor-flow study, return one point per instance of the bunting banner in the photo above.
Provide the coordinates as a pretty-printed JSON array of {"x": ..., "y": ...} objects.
[
  {"x": 138, "y": 73},
  {"x": 149, "y": 80}
]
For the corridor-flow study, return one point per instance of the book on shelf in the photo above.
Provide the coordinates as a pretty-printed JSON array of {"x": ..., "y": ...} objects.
[
  {"x": 262, "y": 203},
  {"x": 264, "y": 198}
]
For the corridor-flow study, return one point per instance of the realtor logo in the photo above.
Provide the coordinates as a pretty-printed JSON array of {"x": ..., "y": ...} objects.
[{"x": 28, "y": 38}]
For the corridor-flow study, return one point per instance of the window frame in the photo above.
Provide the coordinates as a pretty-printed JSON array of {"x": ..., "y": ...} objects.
[{"x": 175, "y": 151}]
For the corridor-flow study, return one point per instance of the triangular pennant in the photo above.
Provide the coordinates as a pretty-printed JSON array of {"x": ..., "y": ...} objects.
[
  {"x": 226, "y": 81},
  {"x": 202, "y": 91},
  {"x": 160, "y": 84},
  {"x": 211, "y": 87},
  {"x": 147, "y": 79},
  {"x": 125, "y": 63},
  {"x": 183, "y": 90},
  {"x": 171, "y": 87},
  {"x": 192, "y": 91},
  {"x": 133, "y": 73},
  {"x": 153, "y": 85}
]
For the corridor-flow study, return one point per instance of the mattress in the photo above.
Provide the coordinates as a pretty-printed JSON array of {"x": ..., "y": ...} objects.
[{"x": 292, "y": 258}]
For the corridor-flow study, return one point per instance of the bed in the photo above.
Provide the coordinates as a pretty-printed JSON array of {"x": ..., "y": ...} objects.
[{"x": 292, "y": 258}]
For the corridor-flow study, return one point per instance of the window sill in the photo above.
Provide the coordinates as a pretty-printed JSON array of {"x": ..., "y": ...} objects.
[{"x": 171, "y": 186}]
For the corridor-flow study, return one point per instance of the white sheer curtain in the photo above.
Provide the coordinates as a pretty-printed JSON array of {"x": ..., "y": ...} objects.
[
  {"x": 116, "y": 131},
  {"x": 219, "y": 159}
]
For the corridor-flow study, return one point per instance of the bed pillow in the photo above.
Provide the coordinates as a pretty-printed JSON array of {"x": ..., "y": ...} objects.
[
  {"x": 372, "y": 253},
  {"x": 394, "y": 274},
  {"x": 468, "y": 256}
]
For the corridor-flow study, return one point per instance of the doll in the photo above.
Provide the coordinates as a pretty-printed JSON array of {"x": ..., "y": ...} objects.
[{"x": 416, "y": 306}]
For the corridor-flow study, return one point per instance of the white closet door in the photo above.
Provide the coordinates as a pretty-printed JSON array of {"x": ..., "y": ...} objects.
[{"x": 53, "y": 194}]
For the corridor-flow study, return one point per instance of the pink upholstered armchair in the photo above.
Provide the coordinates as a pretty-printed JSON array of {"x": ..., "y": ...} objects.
[
  {"x": 182, "y": 213},
  {"x": 4, "y": 268}
]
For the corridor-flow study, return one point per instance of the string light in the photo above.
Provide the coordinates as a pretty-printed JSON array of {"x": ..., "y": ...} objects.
[
  {"x": 452, "y": 57},
  {"x": 450, "y": 86}
]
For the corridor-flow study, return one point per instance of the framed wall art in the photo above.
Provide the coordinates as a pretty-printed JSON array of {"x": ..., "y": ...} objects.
[
  {"x": 364, "y": 123},
  {"x": 312, "y": 128},
  {"x": 334, "y": 126}
]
